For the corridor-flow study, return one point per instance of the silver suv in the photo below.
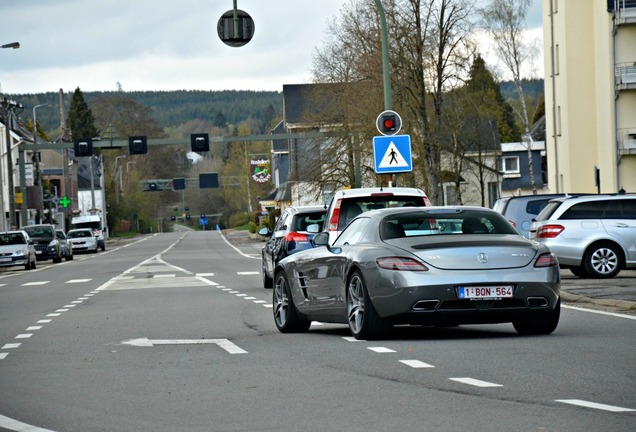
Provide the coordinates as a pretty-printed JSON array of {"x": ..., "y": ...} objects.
[
  {"x": 349, "y": 203},
  {"x": 592, "y": 235}
]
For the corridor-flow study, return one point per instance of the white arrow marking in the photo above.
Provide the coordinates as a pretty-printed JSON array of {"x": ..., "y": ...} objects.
[{"x": 223, "y": 343}]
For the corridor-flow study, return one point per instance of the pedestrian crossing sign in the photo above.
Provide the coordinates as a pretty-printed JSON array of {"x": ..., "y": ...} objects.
[{"x": 392, "y": 154}]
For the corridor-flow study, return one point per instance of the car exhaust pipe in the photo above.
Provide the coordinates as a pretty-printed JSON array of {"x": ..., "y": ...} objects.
[
  {"x": 537, "y": 301},
  {"x": 424, "y": 305}
]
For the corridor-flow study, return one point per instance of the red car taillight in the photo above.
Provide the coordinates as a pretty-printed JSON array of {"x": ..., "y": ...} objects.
[
  {"x": 549, "y": 231},
  {"x": 333, "y": 222},
  {"x": 400, "y": 263},
  {"x": 295, "y": 237},
  {"x": 546, "y": 260}
]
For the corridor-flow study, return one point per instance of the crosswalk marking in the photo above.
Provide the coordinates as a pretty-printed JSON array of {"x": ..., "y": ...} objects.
[{"x": 594, "y": 405}]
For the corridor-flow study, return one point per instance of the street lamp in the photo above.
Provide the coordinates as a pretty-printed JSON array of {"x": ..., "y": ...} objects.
[
  {"x": 38, "y": 176},
  {"x": 3, "y": 219},
  {"x": 118, "y": 173}
]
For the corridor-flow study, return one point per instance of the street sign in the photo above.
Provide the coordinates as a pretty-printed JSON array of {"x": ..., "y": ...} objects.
[{"x": 392, "y": 154}]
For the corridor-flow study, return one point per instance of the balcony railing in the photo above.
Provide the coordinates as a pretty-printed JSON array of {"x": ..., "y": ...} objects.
[
  {"x": 627, "y": 141},
  {"x": 625, "y": 11},
  {"x": 625, "y": 75}
]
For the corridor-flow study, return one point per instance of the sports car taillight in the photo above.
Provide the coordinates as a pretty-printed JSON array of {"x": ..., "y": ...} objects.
[
  {"x": 546, "y": 260},
  {"x": 549, "y": 231},
  {"x": 400, "y": 263},
  {"x": 333, "y": 222}
]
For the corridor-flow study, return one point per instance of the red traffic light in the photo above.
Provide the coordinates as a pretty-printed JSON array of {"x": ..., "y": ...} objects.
[{"x": 389, "y": 123}]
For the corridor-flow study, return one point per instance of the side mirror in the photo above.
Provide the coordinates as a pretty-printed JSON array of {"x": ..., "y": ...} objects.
[
  {"x": 321, "y": 239},
  {"x": 264, "y": 232}
]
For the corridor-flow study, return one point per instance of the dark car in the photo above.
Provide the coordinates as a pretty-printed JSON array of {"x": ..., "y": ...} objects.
[
  {"x": 293, "y": 232},
  {"x": 47, "y": 246},
  {"x": 439, "y": 266},
  {"x": 65, "y": 245}
]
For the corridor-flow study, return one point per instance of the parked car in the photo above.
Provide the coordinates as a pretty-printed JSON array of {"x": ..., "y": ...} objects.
[
  {"x": 47, "y": 246},
  {"x": 522, "y": 209},
  {"x": 16, "y": 249},
  {"x": 83, "y": 240},
  {"x": 294, "y": 229},
  {"x": 398, "y": 266},
  {"x": 349, "y": 203},
  {"x": 67, "y": 249},
  {"x": 592, "y": 235}
]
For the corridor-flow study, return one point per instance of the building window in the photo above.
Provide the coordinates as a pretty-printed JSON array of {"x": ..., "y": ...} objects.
[
  {"x": 493, "y": 193},
  {"x": 450, "y": 194},
  {"x": 509, "y": 165}
]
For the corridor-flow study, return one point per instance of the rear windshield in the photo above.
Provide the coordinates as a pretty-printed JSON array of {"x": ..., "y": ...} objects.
[
  {"x": 303, "y": 220},
  {"x": 352, "y": 207},
  {"x": 443, "y": 223}
]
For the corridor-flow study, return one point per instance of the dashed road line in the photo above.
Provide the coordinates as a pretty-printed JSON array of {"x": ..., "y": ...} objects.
[
  {"x": 416, "y": 364},
  {"x": 594, "y": 405},
  {"x": 475, "y": 382},
  {"x": 381, "y": 350}
]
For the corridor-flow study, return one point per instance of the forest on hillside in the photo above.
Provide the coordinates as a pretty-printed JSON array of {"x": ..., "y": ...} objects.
[{"x": 172, "y": 109}]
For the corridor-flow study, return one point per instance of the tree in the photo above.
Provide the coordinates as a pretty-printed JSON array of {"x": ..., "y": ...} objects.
[
  {"x": 80, "y": 117},
  {"x": 504, "y": 20}
]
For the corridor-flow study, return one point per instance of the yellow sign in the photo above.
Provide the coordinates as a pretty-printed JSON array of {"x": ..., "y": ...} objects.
[{"x": 18, "y": 198}]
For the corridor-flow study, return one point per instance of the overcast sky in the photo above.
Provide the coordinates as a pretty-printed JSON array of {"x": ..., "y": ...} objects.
[{"x": 162, "y": 44}]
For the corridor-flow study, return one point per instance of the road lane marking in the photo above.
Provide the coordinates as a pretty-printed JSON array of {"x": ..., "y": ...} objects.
[
  {"x": 35, "y": 283},
  {"x": 417, "y": 364},
  {"x": 78, "y": 281},
  {"x": 2, "y": 357},
  {"x": 223, "y": 343},
  {"x": 24, "y": 336},
  {"x": 617, "y": 315},
  {"x": 381, "y": 350},
  {"x": 594, "y": 405},
  {"x": 14, "y": 425},
  {"x": 475, "y": 382},
  {"x": 11, "y": 345},
  {"x": 248, "y": 273},
  {"x": 32, "y": 328}
]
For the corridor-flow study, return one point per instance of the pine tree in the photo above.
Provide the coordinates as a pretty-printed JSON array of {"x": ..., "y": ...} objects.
[{"x": 80, "y": 117}]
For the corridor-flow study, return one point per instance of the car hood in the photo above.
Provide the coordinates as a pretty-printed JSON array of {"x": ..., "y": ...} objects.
[
  {"x": 12, "y": 248},
  {"x": 471, "y": 252}
]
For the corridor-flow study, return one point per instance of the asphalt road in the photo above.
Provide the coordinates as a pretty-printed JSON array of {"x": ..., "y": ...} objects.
[{"x": 173, "y": 332}]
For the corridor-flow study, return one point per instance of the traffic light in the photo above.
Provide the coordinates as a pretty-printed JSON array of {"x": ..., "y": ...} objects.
[
  {"x": 388, "y": 123},
  {"x": 137, "y": 145},
  {"x": 200, "y": 142},
  {"x": 152, "y": 186},
  {"x": 208, "y": 180},
  {"x": 178, "y": 184},
  {"x": 83, "y": 147},
  {"x": 173, "y": 218}
]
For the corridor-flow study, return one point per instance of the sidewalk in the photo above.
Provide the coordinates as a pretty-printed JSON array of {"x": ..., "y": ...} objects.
[{"x": 617, "y": 294}]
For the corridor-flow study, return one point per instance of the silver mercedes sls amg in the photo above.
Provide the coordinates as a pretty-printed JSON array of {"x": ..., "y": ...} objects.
[{"x": 441, "y": 266}]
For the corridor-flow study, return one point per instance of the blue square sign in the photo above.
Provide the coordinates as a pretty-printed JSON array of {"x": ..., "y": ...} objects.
[{"x": 392, "y": 154}]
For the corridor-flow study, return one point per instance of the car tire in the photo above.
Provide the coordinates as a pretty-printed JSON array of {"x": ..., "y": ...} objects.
[
  {"x": 69, "y": 257},
  {"x": 364, "y": 321},
  {"x": 539, "y": 324},
  {"x": 285, "y": 314},
  {"x": 603, "y": 260},
  {"x": 57, "y": 259},
  {"x": 267, "y": 281}
]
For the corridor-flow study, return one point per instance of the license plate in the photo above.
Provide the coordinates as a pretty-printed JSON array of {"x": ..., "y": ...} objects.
[
  {"x": 38, "y": 252},
  {"x": 485, "y": 292},
  {"x": 5, "y": 259}
]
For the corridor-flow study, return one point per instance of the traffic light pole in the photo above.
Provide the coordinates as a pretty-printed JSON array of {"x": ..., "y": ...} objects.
[{"x": 386, "y": 65}]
